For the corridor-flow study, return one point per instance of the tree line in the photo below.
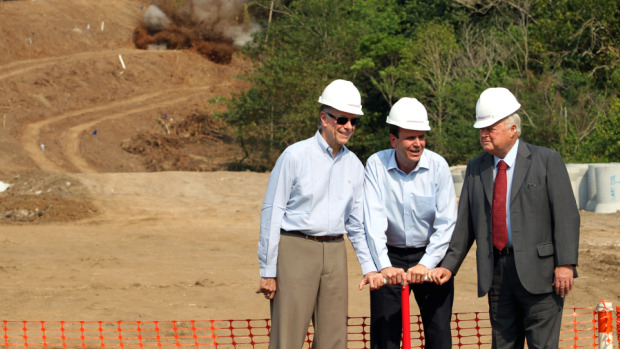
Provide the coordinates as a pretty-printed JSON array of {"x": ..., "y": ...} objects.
[{"x": 559, "y": 57}]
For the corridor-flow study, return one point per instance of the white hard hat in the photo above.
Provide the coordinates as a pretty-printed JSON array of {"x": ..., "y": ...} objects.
[
  {"x": 409, "y": 114},
  {"x": 342, "y": 95},
  {"x": 493, "y": 105}
]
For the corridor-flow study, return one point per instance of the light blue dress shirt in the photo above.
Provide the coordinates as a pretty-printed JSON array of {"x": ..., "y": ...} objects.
[
  {"x": 316, "y": 193},
  {"x": 510, "y": 160},
  {"x": 408, "y": 210}
]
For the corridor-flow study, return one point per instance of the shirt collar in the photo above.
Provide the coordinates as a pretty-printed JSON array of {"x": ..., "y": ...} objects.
[
  {"x": 510, "y": 158},
  {"x": 325, "y": 147},
  {"x": 423, "y": 163}
]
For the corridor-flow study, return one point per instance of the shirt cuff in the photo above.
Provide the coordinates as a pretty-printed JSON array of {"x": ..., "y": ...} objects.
[
  {"x": 428, "y": 262},
  {"x": 368, "y": 267},
  {"x": 268, "y": 272},
  {"x": 384, "y": 262}
]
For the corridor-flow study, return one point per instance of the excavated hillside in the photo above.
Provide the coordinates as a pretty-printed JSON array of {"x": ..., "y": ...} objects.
[{"x": 78, "y": 96}]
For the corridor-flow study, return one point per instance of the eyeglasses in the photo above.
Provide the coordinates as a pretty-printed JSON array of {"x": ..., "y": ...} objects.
[{"x": 342, "y": 120}]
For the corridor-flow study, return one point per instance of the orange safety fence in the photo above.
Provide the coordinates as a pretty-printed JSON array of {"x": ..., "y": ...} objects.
[
  {"x": 470, "y": 330},
  {"x": 618, "y": 323}
]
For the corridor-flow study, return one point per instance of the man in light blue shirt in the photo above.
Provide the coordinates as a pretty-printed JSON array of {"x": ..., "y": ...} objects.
[
  {"x": 409, "y": 213},
  {"x": 314, "y": 198}
]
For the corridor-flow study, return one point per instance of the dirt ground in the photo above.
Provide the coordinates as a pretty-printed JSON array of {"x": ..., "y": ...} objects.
[{"x": 120, "y": 206}]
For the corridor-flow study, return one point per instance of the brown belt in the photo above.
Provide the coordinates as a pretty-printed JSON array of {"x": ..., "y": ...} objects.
[{"x": 312, "y": 237}]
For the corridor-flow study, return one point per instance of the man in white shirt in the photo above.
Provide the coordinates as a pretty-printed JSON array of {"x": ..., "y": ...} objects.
[
  {"x": 314, "y": 197},
  {"x": 409, "y": 216}
]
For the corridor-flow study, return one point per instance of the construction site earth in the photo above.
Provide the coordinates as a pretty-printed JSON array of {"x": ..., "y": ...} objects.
[{"x": 120, "y": 205}]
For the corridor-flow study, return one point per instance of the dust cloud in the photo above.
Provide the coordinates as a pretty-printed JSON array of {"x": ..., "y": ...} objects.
[{"x": 214, "y": 28}]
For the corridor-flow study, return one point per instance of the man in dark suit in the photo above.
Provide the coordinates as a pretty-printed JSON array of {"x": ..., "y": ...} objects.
[{"x": 518, "y": 205}]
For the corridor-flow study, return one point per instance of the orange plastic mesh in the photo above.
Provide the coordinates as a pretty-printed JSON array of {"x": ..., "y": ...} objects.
[{"x": 469, "y": 330}]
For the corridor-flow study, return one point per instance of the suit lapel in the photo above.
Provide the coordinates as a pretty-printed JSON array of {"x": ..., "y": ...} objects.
[
  {"x": 522, "y": 164},
  {"x": 486, "y": 174}
]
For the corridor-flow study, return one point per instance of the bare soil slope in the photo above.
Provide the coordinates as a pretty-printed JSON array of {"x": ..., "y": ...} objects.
[
  {"x": 120, "y": 207},
  {"x": 67, "y": 104}
]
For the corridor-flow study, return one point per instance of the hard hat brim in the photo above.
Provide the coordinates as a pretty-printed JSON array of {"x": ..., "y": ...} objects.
[
  {"x": 491, "y": 120},
  {"x": 422, "y": 126},
  {"x": 351, "y": 109},
  {"x": 487, "y": 122}
]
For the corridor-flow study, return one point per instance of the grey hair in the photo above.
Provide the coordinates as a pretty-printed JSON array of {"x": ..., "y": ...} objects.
[
  {"x": 326, "y": 108},
  {"x": 514, "y": 119}
]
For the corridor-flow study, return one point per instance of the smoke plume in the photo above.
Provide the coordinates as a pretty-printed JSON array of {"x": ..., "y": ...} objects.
[
  {"x": 221, "y": 18},
  {"x": 214, "y": 28}
]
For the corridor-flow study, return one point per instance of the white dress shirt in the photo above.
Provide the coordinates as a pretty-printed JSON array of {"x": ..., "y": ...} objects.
[
  {"x": 313, "y": 192},
  {"x": 408, "y": 210}
]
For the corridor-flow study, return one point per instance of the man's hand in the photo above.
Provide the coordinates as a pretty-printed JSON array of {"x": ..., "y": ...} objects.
[
  {"x": 373, "y": 279},
  {"x": 440, "y": 275},
  {"x": 416, "y": 274},
  {"x": 268, "y": 287},
  {"x": 563, "y": 281},
  {"x": 394, "y": 276}
]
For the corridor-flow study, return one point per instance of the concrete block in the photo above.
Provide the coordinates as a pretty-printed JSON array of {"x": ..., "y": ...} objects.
[{"x": 607, "y": 186}]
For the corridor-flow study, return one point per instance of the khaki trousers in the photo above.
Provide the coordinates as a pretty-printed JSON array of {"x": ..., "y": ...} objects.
[{"x": 311, "y": 284}]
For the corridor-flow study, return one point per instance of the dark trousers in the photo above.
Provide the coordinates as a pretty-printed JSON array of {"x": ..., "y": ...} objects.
[
  {"x": 434, "y": 301},
  {"x": 517, "y": 315}
]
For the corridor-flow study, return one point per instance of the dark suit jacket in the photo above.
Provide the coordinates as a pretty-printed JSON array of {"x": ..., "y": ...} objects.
[{"x": 543, "y": 212}]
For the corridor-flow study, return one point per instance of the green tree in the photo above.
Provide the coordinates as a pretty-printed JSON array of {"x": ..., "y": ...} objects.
[
  {"x": 430, "y": 60},
  {"x": 307, "y": 45},
  {"x": 559, "y": 58},
  {"x": 604, "y": 145}
]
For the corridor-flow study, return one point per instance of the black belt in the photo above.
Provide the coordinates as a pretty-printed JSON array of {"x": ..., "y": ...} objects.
[
  {"x": 393, "y": 249},
  {"x": 506, "y": 251},
  {"x": 312, "y": 237}
]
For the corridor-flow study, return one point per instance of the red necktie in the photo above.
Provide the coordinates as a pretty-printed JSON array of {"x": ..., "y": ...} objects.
[{"x": 500, "y": 232}]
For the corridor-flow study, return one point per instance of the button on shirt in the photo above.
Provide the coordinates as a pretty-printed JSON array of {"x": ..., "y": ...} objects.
[
  {"x": 510, "y": 160},
  {"x": 313, "y": 192},
  {"x": 409, "y": 210}
]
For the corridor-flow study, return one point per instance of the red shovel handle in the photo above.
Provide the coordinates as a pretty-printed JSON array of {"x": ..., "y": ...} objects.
[{"x": 406, "y": 318}]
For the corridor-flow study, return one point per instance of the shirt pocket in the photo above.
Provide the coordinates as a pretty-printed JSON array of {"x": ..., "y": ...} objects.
[{"x": 424, "y": 207}]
